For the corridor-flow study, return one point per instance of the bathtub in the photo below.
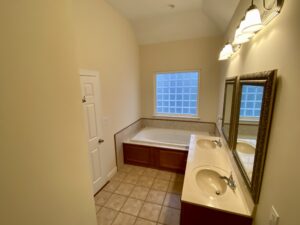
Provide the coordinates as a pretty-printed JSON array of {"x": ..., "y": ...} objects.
[{"x": 166, "y": 138}]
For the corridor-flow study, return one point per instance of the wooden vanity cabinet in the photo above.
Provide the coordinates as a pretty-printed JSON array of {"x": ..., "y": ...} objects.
[
  {"x": 199, "y": 215},
  {"x": 159, "y": 158}
]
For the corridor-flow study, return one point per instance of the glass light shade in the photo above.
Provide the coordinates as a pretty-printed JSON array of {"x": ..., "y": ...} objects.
[
  {"x": 239, "y": 40},
  {"x": 226, "y": 52},
  {"x": 239, "y": 32},
  {"x": 252, "y": 20},
  {"x": 239, "y": 37},
  {"x": 223, "y": 57}
]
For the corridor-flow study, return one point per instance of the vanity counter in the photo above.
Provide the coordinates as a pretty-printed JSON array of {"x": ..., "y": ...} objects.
[{"x": 203, "y": 185}]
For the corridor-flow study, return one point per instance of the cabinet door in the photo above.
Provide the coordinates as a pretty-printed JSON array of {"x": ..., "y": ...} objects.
[
  {"x": 137, "y": 155},
  {"x": 172, "y": 160}
]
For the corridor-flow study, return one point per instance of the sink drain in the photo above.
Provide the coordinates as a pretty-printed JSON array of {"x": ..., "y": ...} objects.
[{"x": 218, "y": 193}]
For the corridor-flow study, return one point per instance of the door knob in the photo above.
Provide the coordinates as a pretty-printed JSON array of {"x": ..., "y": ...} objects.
[
  {"x": 83, "y": 100},
  {"x": 100, "y": 141}
]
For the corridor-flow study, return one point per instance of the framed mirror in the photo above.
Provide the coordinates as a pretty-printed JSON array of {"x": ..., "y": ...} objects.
[
  {"x": 228, "y": 108},
  {"x": 253, "y": 114}
]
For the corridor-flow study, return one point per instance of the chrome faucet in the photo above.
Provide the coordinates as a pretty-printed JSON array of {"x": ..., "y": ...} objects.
[
  {"x": 218, "y": 143},
  {"x": 230, "y": 181}
]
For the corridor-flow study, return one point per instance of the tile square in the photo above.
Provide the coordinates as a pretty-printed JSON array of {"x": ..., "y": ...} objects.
[
  {"x": 155, "y": 196},
  {"x": 169, "y": 216},
  {"x": 132, "y": 206},
  {"x": 111, "y": 186},
  {"x": 137, "y": 170},
  {"x": 124, "y": 189},
  {"x": 175, "y": 187},
  {"x": 150, "y": 211},
  {"x": 102, "y": 197},
  {"x": 172, "y": 200},
  {"x": 115, "y": 202},
  {"x": 141, "y": 221},
  {"x": 139, "y": 192},
  {"x": 149, "y": 172},
  {"x": 124, "y": 219},
  {"x": 145, "y": 181},
  {"x": 106, "y": 216},
  {"x": 131, "y": 178},
  {"x": 160, "y": 185},
  {"x": 119, "y": 176},
  {"x": 164, "y": 175}
]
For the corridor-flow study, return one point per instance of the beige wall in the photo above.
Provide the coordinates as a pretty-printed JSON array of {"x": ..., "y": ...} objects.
[
  {"x": 183, "y": 55},
  {"x": 276, "y": 47},
  {"x": 43, "y": 158},
  {"x": 106, "y": 42}
]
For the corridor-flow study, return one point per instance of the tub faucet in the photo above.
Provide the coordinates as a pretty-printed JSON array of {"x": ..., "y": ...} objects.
[
  {"x": 230, "y": 181},
  {"x": 218, "y": 143}
]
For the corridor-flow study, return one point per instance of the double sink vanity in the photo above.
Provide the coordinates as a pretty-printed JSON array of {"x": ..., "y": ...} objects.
[{"x": 211, "y": 193}]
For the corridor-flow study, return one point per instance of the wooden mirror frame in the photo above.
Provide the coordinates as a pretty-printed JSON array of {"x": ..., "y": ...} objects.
[
  {"x": 268, "y": 79},
  {"x": 230, "y": 137}
]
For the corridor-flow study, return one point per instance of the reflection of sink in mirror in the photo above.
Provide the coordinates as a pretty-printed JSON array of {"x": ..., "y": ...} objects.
[
  {"x": 246, "y": 153},
  {"x": 209, "y": 182},
  {"x": 245, "y": 148},
  {"x": 205, "y": 143}
]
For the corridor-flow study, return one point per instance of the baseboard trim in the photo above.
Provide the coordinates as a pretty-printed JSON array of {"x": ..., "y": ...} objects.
[{"x": 112, "y": 173}]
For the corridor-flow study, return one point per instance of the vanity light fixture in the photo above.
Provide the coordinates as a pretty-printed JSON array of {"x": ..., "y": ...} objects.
[{"x": 250, "y": 24}]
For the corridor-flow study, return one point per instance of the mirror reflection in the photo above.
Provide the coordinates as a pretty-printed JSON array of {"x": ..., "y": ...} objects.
[
  {"x": 248, "y": 125},
  {"x": 227, "y": 109}
]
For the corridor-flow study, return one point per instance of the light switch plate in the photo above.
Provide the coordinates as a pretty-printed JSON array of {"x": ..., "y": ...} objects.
[{"x": 274, "y": 217}]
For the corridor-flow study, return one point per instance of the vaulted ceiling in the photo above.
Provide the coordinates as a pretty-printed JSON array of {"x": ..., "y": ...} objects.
[{"x": 167, "y": 20}]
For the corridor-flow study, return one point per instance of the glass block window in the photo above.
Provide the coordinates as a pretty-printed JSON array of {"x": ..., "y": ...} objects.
[
  {"x": 177, "y": 93},
  {"x": 251, "y": 101}
]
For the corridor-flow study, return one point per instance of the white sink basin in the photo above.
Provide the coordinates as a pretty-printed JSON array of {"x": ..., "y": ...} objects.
[
  {"x": 245, "y": 148},
  {"x": 209, "y": 182},
  {"x": 205, "y": 143}
]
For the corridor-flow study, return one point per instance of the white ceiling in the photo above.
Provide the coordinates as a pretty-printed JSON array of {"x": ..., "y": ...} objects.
[{"x": 155, "y": 21}]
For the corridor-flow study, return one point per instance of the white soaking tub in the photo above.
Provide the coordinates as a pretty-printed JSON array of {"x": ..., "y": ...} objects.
[{"x": 167, "y": 138}]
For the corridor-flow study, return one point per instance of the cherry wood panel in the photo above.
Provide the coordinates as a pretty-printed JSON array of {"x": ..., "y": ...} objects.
[
  {"x": 172, "y": 160},
  {"x": 198, "y": 215},
  {"x": 138, "y": 155},
  {"x": 160, "y": 158}
]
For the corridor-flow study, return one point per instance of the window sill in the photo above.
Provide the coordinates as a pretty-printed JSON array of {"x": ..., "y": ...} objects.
[{"x": 179, "y": 117}]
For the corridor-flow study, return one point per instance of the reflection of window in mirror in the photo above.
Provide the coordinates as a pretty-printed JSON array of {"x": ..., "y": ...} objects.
[{"x": 251, "y": 102}]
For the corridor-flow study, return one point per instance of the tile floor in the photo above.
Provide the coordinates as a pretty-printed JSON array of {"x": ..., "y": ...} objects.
[{"x": 140, "y": 196}]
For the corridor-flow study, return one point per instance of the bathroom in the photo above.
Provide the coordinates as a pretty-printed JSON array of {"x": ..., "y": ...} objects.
[{"x": 46, "y": 46}]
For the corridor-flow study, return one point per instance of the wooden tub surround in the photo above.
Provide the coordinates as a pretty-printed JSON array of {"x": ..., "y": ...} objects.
[{"x": 155, "y": 157}]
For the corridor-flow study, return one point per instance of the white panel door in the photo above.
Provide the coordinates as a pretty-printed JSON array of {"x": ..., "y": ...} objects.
[{"x": 91, "y": 101}]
